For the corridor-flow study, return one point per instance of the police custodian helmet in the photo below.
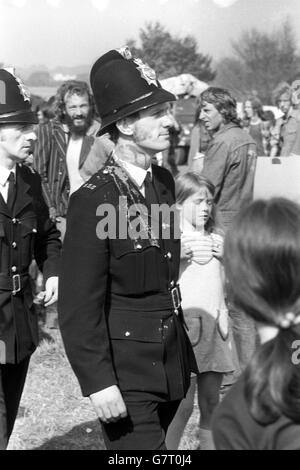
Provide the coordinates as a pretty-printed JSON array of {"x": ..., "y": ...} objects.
[
  {"x": 123, "y": 85},
  {"x": 15, "y": 104}
]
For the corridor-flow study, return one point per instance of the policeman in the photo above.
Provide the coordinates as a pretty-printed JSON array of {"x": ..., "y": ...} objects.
[
  {"x": 119, "y": 303},
  {"x": 25, "y": 232}
]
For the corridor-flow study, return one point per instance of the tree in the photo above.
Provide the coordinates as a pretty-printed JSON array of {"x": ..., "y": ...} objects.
[
  {"x": 171, "y": 55},
  {"x": 262, "y": 60}
]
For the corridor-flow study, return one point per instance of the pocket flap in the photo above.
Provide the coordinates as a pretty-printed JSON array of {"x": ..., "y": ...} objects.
[
  {"x": 28, "y": 226},
  {"x": 135, "y": 328},
  {"x": 123, "y": 247}
]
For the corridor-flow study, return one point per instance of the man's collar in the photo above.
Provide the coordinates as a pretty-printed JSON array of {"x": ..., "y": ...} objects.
[
  {"x": 225, "y": 127},
  {"x": 136, "y": 173},
  {"x": 4, "y": 174}
]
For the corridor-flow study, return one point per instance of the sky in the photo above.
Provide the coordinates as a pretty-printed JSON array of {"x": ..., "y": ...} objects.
[{"x": 74, "y": 32}]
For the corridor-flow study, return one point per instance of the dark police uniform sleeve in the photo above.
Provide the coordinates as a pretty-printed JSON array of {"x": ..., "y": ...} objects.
[
  {"x": 47, "y": 245},
  {"x": 82, "y": 291}
]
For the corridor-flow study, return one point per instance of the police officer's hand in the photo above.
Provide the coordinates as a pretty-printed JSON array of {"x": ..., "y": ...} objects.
[
  {"x": 51, "y": 291},
  {"x": 109, "y": 404}
]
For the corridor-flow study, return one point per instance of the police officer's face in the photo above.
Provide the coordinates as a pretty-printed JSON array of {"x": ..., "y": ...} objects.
[
  {"x": 213, "y": 120},
  {"x": 16, "y": 140},
  {"x": 151, "y": 128},
  {"x": 77, "y": 111}
]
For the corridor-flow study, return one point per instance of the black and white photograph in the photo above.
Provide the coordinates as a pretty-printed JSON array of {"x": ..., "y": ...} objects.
[{"x": 149, "y": 227}]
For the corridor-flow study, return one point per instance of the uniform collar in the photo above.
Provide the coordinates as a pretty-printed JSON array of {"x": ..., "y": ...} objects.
[
  {"x": 136, "y": 173},
  {"x": 4, "y": 174}
]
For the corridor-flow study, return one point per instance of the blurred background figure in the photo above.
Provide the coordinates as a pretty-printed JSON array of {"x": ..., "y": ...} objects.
[
  {"x": 169, "y": 155},
  {"x": 44, "y": 113},
  {"x": 288, "y": 126},
  {"x": 267, "y": 131},
  {"x": 200, "y": 138},
  {"x": 253, "y": 119}
]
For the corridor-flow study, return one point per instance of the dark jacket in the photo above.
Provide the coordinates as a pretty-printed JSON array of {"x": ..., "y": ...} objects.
[
  {"x": 234, "y": 428},
  {"x": 50, "y": 161},
  {"x": 230, "y": 163},
  {"x": 115, "y": 309},
  {"x": 25, "y": 234}
]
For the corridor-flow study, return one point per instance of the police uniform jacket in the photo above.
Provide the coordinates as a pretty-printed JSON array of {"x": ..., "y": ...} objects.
[
  {"x": 26, "y": 233},
  {"x": 116, "y": 312}
]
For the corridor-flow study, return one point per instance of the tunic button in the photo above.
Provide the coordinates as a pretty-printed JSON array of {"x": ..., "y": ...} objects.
[
  {"x": 138, "y": 246},
  {"x": 168, "y": 255},
  {"x": 172, "y": 284},
  {"x": 14, "y": 245},
  {"x": 127, "y": 333},
  {"x": 14, "y": 269},
  {"x": 14, "y": 221}
]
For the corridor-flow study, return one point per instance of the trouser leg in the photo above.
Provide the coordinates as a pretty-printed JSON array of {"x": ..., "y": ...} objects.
[
  {"x": 144, "y": 428},
  {"x": 11, "y": 387}
]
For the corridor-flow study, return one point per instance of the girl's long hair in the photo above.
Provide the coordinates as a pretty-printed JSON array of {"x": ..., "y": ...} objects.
[
  {"x": 191, "y": 183},
  {"x": 262, "y": 265}
]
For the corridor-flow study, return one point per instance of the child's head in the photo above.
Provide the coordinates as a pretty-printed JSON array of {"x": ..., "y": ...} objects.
[
  {"x": 194, "y": 196},
  {"x": 262, "y": 260},
  {"x": 262, "y": 265}
]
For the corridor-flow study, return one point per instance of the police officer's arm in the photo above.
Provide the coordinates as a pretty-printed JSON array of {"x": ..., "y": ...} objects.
[
  {"x": 47, "y": 247},
  {"x": 82, "y": 293},
  {"x": 42, "y": 153}
]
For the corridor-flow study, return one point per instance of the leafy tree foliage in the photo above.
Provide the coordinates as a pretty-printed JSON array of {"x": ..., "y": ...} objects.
[
  {"x": 171, "y": 55},
  {"x": 261, "y": 61}
]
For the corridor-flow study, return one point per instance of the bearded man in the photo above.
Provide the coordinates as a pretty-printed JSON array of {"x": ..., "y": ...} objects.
[{"x": 67, "y": 145}]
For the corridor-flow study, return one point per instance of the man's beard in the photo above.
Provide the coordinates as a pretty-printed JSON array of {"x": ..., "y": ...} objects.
[{"x": 82, "y": 129}]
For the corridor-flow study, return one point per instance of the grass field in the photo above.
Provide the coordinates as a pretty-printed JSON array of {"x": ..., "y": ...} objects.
[{"x": 53, "y": 415}]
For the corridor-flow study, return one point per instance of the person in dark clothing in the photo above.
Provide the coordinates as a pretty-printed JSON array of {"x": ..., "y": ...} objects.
[
  {"x": 262, "y": 265},
  {"x": 25, "y": 232},
  {"x": 119, "y": 302}
]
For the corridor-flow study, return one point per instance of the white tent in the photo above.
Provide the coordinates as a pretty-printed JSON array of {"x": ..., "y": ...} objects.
[{"x": 184, "y": 84}]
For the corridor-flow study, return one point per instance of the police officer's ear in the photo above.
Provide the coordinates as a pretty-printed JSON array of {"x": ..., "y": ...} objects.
[{"x": 126, "y": 126}]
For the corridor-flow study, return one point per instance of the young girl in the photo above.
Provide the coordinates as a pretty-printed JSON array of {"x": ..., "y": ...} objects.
[
  {"x": 262, "y": 265},
  {"x": 203, "y": 304}
]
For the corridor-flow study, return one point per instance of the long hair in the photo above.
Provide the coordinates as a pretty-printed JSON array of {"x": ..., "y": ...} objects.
[
  {"x": 223, "y": 102},
  {"x": 262, "y": 266},
  {"x": 256, "y": 106},
  {"x": 71, "y": 87},
  {"x": 280, "y": 90},
  {"x": 190, "y": 183}
]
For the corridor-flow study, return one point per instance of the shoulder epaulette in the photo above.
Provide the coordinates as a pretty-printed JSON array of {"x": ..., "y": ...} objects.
[{"x": 98, "y": 180}]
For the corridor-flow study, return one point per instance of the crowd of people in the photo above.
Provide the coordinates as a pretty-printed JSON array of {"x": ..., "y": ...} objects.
[
  {"x": 273, "y": 137},
  {"x": 153, "y": 307}
]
